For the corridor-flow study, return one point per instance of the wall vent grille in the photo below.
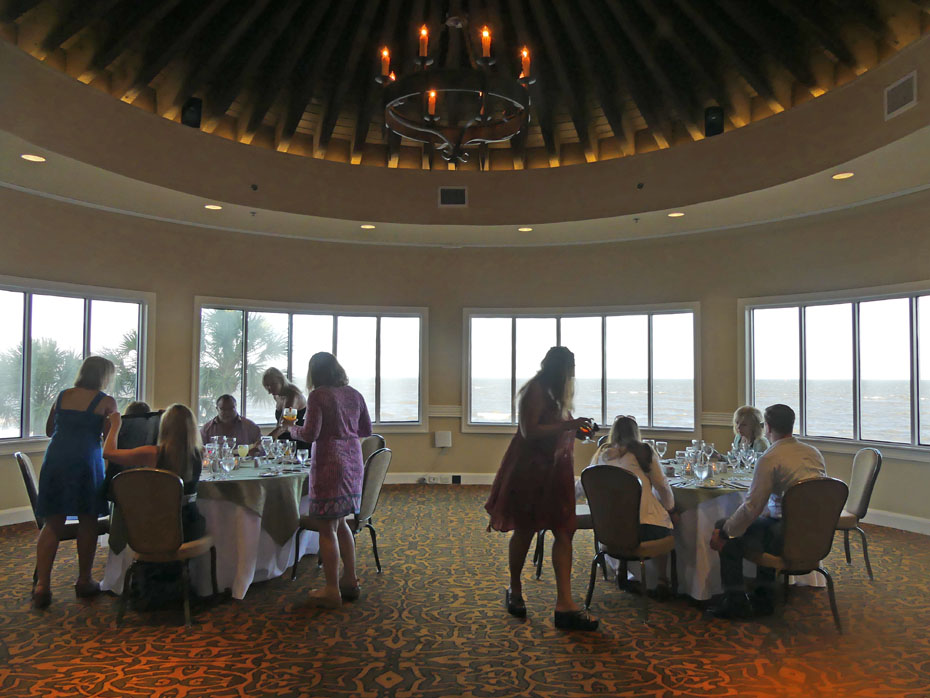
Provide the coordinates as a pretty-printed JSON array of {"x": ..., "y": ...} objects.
[
  {"x": 901, "y": 95},
  {"x": 453, "y": 196}
]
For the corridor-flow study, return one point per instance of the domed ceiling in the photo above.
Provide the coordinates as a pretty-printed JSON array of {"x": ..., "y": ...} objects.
[{"x": 613, "y": 77}]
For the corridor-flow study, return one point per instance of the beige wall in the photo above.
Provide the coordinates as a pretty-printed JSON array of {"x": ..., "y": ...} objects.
[{"x": 884, "y": 243}]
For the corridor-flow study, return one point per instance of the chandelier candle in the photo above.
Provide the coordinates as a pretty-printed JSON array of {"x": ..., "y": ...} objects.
[
  {"x": 424, "y": 41},
  {"x": 525, "y": 58},
  {"x": 385, "y": 61},
  {"x": 485, "y": 42}
]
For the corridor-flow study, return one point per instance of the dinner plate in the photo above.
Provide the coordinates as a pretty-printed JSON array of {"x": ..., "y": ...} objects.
[{"x": 715, "y": 486}]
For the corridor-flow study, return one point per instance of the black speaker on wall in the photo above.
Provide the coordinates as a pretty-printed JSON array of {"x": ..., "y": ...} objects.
[
  {"x": 713, "y": 121},
  {"x": 191, "y": 112}
]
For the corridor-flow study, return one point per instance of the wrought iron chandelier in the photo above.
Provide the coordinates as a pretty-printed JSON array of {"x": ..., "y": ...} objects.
[{"x": 459, "y": 106}]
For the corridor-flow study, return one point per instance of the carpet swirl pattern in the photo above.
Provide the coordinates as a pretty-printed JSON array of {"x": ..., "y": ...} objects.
[{"x": 433, "y": 624}]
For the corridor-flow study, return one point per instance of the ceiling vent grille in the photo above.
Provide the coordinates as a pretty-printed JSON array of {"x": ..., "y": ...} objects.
[
  {"x": 453, "y": 196},
  {"x": 901, "y": 95}
]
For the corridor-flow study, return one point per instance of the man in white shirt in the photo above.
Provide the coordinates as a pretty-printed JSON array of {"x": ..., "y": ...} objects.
[{"x": 753, "y": 529}]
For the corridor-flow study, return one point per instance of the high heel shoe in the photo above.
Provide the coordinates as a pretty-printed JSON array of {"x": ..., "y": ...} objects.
[
  {"x": 87, "y": 590},
  {"x": 516, "y": 606},
  {"x": 575, "y": 620},
  {"x": 41, "y": 599}
]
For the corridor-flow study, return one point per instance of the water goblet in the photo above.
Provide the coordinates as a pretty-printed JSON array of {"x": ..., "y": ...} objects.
[
  {"x": 267, "y": 443},
  {"x": 227, "y": 464},
  {"x": 661, "y": 448},
  {"x": 303, "y": 456}
]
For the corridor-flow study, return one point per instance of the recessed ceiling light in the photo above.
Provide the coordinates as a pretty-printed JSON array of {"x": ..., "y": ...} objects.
[
  {"x": 525, "y": 230},
  {"x": 367, "y": 226},
  {"x": 213, "y": 207},
  {"x": 675, "y": 214},
  {"x": 844, "y": 175},
  {"x": 32, "y": 158}
]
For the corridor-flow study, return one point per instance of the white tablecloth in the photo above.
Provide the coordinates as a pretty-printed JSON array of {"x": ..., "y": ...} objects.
[
  {"x": 698, "y": 565},
  {"x": 245, "y": 553}
]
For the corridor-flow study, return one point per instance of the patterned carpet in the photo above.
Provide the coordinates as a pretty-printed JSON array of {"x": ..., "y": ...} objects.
[{"x": 433, "y": 624}]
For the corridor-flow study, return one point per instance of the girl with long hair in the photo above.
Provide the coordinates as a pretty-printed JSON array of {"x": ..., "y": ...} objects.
[
  {"x": 534, "y": 487},
  {"x": 285, "y": 395},
  {"x": 72, "y": 476}
]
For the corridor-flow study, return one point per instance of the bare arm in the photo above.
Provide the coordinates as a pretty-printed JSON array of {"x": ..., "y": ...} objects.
[
  {"x": 660, "y": 485},
  {"x": 50, "y": 422},
  {"x": 141, "y": 457},
  {"x": 532, "y": 405}
]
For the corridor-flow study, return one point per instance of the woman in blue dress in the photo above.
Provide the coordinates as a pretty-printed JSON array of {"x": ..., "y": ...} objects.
[{"x": 71, "y": 479}]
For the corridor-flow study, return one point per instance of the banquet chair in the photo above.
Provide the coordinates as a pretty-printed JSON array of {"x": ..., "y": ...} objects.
[
  {"x": 376, "y": 468},
  {"x": 582, "y": 523},
  {"x": 370, "y": 444},
  {"x": 150, "y": 502},
  {"x": 810, "y": 511},
  {"x": 31, "y": 482},
  {"x": 865, "y": 468},
  {"x": 135, "y": 430},
  {"x": 614, "y": 497}
]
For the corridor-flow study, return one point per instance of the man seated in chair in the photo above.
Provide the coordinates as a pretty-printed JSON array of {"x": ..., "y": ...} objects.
[
  {"x": 753, "y": 529},
  {"x": 228, "y": 422}
]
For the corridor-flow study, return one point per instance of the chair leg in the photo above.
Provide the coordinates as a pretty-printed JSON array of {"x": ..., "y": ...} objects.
[
  {"x": 540, "y": 552},
  {"x": 296, "y": 553},
  {"x": 598, "y": 559},
  {"x": 674, "y": 563},
  {"x": 186, "y": 581},
  {"x": 642, "y": 577},
  {"x": 216, "y": 587},
  {"x": 124, "y": 597},
  {"x": 786, "y": 586},
  {"x": 374, "y": 545},
  {"x": 833, "y": 608},
  {"x": 597, "y": 549},
  {"x": 846, "y": 545},
  {"x": 35, "y": 577},
  {"x": 865, "y": 553}
]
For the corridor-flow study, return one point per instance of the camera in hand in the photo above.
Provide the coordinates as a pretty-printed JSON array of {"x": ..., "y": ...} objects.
[{"x": 586, "y": 432}]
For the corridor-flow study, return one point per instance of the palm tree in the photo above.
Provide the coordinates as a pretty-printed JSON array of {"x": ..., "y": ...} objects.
[{"x": 125, "y": 357}]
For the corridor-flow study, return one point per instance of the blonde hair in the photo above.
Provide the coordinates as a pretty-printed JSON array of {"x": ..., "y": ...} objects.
[
  {"x": 754, "y": 414},
  {"x": 95, "y": 373},
  {"x": 179, "y": 444},
  {"x": 625, "y": 436},
  {"x": 275, "y": 375}
]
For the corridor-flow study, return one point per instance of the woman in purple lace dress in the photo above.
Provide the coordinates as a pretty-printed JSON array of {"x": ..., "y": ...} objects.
[
  {"x": 336, "y": 419},
  {"x": 534, "y": 488}
]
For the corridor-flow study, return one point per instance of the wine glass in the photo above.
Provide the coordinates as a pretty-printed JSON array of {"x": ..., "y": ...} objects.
[
  {"x": 243, "y": 450},
  {"x": 661, "y": 448},
  {"x": 588, "y": 431},
  {"x": 290, "y": 416},
  {"x": 227, "y": 464},
  {"x": 267, "y": 443},
  {"x": 701, "y": 469},
  {"x": 303, "y": 456}
]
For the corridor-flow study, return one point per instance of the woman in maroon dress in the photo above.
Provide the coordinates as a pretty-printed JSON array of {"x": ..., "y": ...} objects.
[
  {"x": 336, "y": 418},
  {"x": 535, "y": 486}
]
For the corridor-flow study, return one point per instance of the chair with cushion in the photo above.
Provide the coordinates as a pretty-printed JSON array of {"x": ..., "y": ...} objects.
[
  {"x": 865, "y": 468},
  {"x": 376, "y": 468},
  {"x": 810, "y": 510},
  {"x": 614, "y": 495},
  {"x": 370, "y": 444},
  {"x": 150, "y": 503},
  {"x": 31, "y": 482}
]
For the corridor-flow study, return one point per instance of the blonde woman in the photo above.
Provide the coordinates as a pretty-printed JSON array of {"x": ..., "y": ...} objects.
[
  {"x": 72, "y": 475},
  {"x": 747, "y": 430},
  {"x": 625, "y": 449},
  {"x": 285, "y": 394},
  {"x": 534, "y": 486},
  {"x": 179, "y": 450}
]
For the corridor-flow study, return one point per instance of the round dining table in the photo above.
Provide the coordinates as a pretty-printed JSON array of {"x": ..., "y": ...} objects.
[{"x": 252, "y": 516}]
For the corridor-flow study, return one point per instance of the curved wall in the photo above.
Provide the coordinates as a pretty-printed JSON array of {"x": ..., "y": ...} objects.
[
  {"x": 880, "y": 244},
  {"x": 56, "y": 112}
]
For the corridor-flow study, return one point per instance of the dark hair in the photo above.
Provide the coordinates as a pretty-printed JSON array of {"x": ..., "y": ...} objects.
[
  {"x": 780, "y": 419},
  {"x": 643, "y": 453},
  {"x": 325, "y": 371},
  {"x": 134, "y": 409},
  {"x": 553, "y": 373},
  {"x": 225, "y": 396}
]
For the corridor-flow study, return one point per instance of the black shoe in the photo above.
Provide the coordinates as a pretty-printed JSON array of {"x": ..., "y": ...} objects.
[
  {"x": 515, "y": 606},
  {"x": 575, "y": 620},
  {"x": 662, "y": 592},
  {"x": 734, "y": 607},
  {"x": 763, "y": 602}
]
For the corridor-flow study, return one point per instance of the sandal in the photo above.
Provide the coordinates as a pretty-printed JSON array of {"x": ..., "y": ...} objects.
[
  {"x": 516, "y": 606},
  {"x": 575, "y": 620},
  {"x": 350, "y": 593},
  {"x": 319, "y": 599},
  {"x": 87, "y": 591}
]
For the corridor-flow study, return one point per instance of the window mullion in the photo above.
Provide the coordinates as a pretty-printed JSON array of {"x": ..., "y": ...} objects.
[
  {"x": 603, "y": 370},
  {"x": 244, "y": 356},
  {"x": 290, "y": 346},
  {"x": 650, "y": 380},
  {"x": 915, "y": 388},
  {"x": 802, "y": 371},
  {"x": 513, "y": 370},
  {"x": 857, "y": 381},
  {"x": 140, "y": 354},
  {"x": 26, "y": 402},
  {"x": 750, "y": 395},
  {"x": 378, "y": 369},
  {"x": 87, "y": 311}
]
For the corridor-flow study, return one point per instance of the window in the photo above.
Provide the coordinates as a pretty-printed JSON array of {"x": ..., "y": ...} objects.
[
  {"x": 625, "y": 363},
  {"x": 380, "y": 351},
  {"x": 852, "y": 368},
  {"x": 62, "y": 330}
]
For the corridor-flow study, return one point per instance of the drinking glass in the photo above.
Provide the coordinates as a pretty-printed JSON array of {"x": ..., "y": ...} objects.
[
  {"x": 661, "y": 448},
  {"x": 207, "y": 468},
  {"x": 701, "y": 470},
  {"x": 267, "y": 443},
  {"x": 303, "y": 456},
  {"x": 290, "y": 416},
  {"x": 709, "y": 450},
  {"x": 231, "y": 443},
  {"x": 588, "y": 432},
  {"x": 243, "y": 450},
  {"x": 228, "y": 464}
]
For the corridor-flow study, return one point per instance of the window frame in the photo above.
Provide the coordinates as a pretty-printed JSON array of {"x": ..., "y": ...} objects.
[
  {"x": 146, "y": 348},
  {"x": 651, "y": 309},
  {"x": 253, "y": 306},
  {"x": 911, "y": 291}
]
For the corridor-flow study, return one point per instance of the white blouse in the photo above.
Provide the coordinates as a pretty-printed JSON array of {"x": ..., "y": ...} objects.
[{"x": 657, "y": 497}]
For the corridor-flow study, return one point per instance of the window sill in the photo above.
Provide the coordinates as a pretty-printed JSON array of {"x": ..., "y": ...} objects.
[
  {"x": 913, "y": 454},
  {"x": 35, "y": 444}
]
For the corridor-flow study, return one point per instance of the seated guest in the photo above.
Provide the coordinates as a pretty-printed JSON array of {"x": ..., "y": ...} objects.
[
  {"x": 624, "y": 449},
  {"x": 285, "y": 394},
  {"x": 136, "y": 409},
  {"x": 786, "y": 462},
  {"x": 228, "y": 422},
  {"x": 747, "y": 430},
  {"x": 178, "y": 449}
]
